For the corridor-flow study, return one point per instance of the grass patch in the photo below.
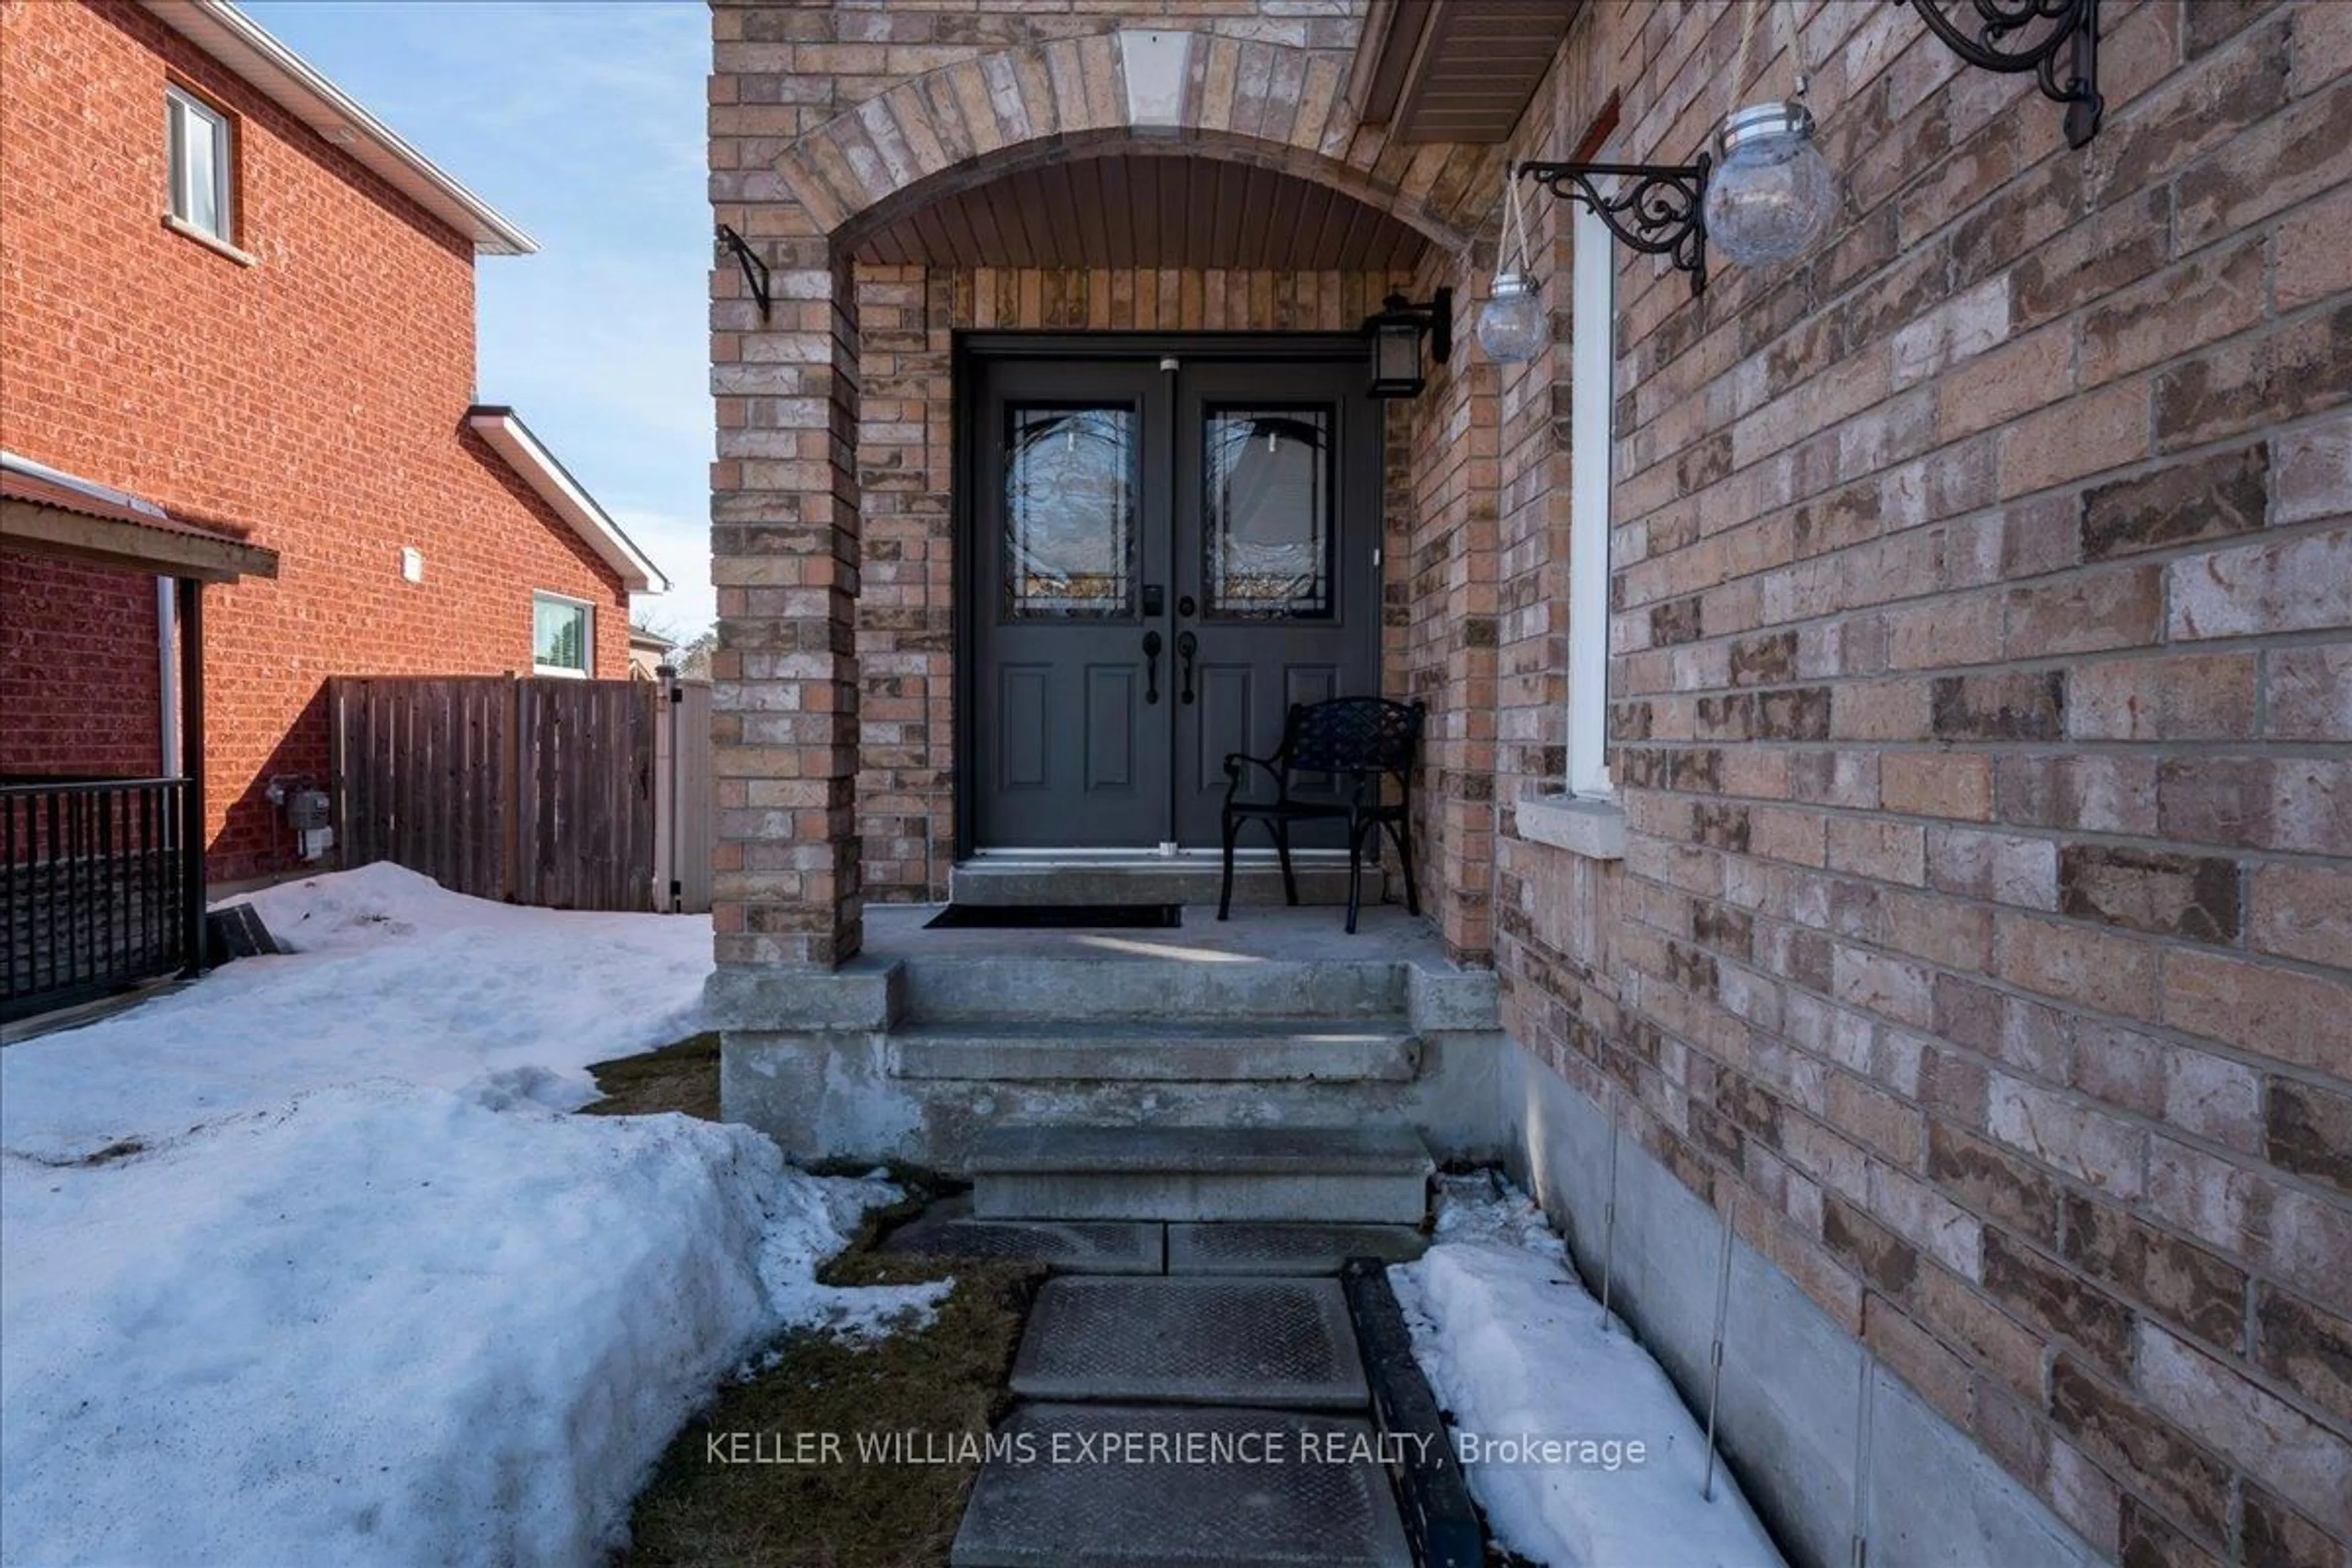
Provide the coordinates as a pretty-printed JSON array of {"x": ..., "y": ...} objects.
[
  {"x": 946, "y": 1380},
  {"x": 683, "y": 1077}
]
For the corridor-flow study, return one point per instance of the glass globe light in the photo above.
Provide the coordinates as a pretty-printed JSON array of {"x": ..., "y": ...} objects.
[
  {"x": 1772, "y": 195},
  {"x": 1511, "y": 327}
]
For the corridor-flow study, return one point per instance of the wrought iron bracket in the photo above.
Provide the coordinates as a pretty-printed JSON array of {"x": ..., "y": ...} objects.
[
  {"x": 2004, "y": 42},
  {"x": 1656, "y": 210},
  {"x": 755, "y": 271}
]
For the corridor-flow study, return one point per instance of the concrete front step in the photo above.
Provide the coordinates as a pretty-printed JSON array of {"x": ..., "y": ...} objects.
[
  {"x": 1353, "y": 1174},
  {"x": 1073, "y": 1246},
  {"x": 1193, "y": 1340},
  {"x": 1379, "y": 1050},
  {"x": 1246, "y": 1249},
  {"x": 1077, "y": 989},
  {"x": 1188, "y": 879},
  {"x": 1266, "y": 1488}
]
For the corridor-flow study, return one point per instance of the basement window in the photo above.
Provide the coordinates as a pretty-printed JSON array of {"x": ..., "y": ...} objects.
[
  {"x": 201, "y": 149},
  {"x": 563, "y": 636}
]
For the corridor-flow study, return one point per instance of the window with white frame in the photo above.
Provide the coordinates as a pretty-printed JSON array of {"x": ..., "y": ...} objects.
[
  {"x": 563, "y": 636},
  {"x": 201, "y": 152},
  {"x": 1592, "y": 378}
]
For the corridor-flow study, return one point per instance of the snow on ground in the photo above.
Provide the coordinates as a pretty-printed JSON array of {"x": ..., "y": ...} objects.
[
  {"x": 426, "y": 987},
  {"x": 363, "y": 1294},
  {"x": 1514, "y": 1348}
]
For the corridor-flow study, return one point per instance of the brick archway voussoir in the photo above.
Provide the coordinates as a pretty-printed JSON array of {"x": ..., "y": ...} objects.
[{"x": 975, "y": 120}]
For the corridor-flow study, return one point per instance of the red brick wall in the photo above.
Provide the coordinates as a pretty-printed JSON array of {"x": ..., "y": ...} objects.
[
  {"x": 80, "y": 676},
  {"x": 317, "y": 398}
]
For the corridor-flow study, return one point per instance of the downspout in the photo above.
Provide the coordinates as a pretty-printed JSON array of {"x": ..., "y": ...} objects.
[{"x": 167, "y": 714}]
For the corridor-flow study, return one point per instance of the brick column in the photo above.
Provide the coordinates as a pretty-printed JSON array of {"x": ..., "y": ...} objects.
[{"x": 784, "y": 546}]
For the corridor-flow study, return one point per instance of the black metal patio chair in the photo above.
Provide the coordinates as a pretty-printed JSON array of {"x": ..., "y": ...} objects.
[{"x": 1345, "y": 750}]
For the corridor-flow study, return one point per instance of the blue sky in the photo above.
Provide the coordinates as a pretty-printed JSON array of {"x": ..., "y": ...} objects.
[{"x": 583, "y": 123}]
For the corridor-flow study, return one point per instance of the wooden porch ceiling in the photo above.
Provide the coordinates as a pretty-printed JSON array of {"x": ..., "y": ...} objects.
[
  {"x": 1147, "y": 209},
  {"x": 1453, "y": 70}
]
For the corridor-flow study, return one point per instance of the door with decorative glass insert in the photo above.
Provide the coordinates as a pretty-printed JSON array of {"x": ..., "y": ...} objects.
[{"x": 1165, "y": 559}]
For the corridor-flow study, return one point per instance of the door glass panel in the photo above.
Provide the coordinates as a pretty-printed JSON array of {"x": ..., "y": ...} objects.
[
  {"x": 1070, "y": 540},
  {"x": 1267, "y": 541}
]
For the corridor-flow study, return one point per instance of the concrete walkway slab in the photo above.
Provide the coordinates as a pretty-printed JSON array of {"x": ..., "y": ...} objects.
[
  {"x": 1199, "y": 1340},
  {"x": 1085, "y": 1484},
  {"x": 1243, "y": 1248}
]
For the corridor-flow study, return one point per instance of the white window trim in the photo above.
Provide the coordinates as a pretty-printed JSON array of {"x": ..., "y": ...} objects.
[
  {"x": 1592, "y": 377},
  {"x": 184, "y": 110},
  {"x": 587, "y": 653},
  {"x": 1588, "y": 820}
]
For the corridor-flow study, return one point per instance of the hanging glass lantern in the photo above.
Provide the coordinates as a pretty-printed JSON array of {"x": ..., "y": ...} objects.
[
  {"x": 1772, "y": 195},
  {"x": 1511, "y": 326}
]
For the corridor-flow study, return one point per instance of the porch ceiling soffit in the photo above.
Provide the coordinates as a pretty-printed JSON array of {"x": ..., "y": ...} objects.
[
  {"x": 1134, "y": 92},
  {"x": 1147, "y": 209},
  {"x": 1434, "y": 71},
  {"x": 42, "y": 517}
]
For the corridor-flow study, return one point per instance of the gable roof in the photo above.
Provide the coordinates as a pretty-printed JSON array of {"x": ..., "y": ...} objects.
[
  {"x": 512, "y": 440},
  {"x": 241, "y": 43}
]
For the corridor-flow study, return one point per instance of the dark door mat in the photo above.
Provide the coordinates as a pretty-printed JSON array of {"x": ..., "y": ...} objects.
[{"x": 1057, "y": 917}]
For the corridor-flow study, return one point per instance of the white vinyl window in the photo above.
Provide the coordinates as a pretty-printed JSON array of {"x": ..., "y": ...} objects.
[
  {"x": 563, "y": 636},
  {"x": 1592, "y": 377},
  {"x": 201, "y": 152}
]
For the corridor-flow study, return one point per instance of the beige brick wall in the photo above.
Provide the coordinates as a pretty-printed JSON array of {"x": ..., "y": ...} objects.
[
  {"x": 1983, "y": 697},
  {"x": 1981, "y": 703},
  {"x": 827, "y": 118}
]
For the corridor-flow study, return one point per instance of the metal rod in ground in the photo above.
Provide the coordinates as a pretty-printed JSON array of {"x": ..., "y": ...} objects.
[
  {"x": 1715, "y": 1354},
  {"x": 1609, "y": 1219},
  {"x": 1862, "y": 1418}
]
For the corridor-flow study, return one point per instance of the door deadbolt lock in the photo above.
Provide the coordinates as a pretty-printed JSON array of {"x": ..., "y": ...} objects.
[
  {"x": 1155, "y": 599},
  {"x": 1184, "y": 607}
]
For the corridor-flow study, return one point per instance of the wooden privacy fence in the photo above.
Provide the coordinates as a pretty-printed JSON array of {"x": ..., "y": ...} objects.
[{"x": 535, "y": 790}]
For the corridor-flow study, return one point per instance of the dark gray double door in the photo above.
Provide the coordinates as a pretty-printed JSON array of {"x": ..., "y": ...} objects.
[{"x": 1168, "y": 551}]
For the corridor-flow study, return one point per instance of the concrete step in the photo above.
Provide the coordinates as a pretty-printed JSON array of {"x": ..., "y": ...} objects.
[
  {"x": 1353, "y": 1174},
  {"x": 1277, "y": 1051},
  {"x": 1185, "y": 984},
  {"x": 1196, "y": 1341},
  {"x": 1077, "y": 1483},
  {"x": 1074, "y": 1247},
  {"x": 1187, "y": 879},
  {"x": 1240, "y": 1246}
]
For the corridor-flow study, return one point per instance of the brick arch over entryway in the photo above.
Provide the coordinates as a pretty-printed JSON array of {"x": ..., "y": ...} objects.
[
  {"x": 821, "y": 145},
  {"x": 1164, "y": 92}
]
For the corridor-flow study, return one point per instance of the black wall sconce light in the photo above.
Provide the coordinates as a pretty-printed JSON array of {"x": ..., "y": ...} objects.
[
  {"x": 1771, "y": 195},
  {"x": 1396, "y": 334},
  {"x": 755, "y": 271}
]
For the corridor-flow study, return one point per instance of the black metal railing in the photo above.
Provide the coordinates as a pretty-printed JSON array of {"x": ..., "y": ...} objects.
[{"x": 96, "y": 888}]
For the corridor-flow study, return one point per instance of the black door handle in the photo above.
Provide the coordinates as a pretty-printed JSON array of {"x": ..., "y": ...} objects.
[
  {"x": 1187, "y": 645},
  {"x": 1152, "y": 646}
]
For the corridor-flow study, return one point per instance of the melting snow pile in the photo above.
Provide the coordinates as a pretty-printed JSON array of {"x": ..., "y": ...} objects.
[
  {"x": 1548, "y": 1405},
  {"x": 305, "y": 1264}
]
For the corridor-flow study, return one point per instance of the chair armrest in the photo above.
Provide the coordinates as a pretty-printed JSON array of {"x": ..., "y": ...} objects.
[{"x": 1234, "y": 761}]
